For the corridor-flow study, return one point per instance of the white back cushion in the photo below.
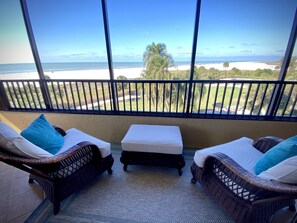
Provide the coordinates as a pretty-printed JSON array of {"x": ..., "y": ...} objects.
[
  {"x": 14, "y": 143},
  {"x": 285, "y": 171}
]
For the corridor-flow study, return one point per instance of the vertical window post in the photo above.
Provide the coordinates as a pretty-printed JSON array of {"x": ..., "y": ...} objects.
[
  {"x": 193, "y": 58},
  {"x": 276, "y": 97},
  {"x": 109, "y": 55},
  {"x": 43, "y": 86}
]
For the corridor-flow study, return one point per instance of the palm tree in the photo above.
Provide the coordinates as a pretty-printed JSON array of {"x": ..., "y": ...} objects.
[{"x": 157, "y": 62}]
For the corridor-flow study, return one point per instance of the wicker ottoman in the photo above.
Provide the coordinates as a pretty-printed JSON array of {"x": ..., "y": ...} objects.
[{"x": 153, "y": 145}]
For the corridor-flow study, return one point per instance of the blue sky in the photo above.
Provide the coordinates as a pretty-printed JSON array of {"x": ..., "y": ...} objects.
[{"x": 72, "y": 30}]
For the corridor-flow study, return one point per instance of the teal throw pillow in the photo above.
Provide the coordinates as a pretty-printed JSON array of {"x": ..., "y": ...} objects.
[
  {"x": 41, "y": 133},
  {"x": 277, "y": 154}
]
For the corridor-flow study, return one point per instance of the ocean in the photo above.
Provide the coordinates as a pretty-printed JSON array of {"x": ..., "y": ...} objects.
[
  {"x": 52, "y": 67},
  {"x": 70, "y": 66}
]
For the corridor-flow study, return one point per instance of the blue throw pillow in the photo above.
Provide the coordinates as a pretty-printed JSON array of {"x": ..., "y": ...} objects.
[
  {"x": 277, "y": 154},
  {"x": 41, "y": 133}
]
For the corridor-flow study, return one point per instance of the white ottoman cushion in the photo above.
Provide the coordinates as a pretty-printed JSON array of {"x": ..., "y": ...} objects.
[
  {"x": 154, "y": 139},
  {"x": 240, "y": 150},
  {"x": 74, "y": 136}
]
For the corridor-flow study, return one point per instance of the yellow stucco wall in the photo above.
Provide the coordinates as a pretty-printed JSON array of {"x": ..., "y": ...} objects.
[
  {"x": 195, "y": 132},
  {"x": 6, "y": 121}
]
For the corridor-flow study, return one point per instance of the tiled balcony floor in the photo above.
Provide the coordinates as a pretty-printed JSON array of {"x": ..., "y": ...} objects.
[{"x": 19, "y": 199}]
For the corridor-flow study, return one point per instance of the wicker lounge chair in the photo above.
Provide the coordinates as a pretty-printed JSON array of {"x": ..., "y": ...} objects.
[
  {"x": 246, "y": 197},
  {"x": 63, "y": 174}
]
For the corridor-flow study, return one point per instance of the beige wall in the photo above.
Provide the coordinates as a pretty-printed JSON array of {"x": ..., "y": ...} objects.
[{"x": 195, "y": 132}]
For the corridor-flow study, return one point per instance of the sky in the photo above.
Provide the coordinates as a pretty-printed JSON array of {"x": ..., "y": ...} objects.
[{"x": 72, "y": 30}]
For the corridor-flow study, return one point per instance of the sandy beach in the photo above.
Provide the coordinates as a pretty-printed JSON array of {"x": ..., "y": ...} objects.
[{"x": 130, "y": 73}]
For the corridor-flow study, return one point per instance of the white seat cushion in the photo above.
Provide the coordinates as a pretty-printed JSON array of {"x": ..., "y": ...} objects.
[
  {"x": 74, "y": 136},
  {"x": 154, "y": 139},
  {"x": 240, "y": 150}
]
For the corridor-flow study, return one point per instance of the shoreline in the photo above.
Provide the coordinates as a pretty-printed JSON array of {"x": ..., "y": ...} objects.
[{"x": 129, "y": 73}]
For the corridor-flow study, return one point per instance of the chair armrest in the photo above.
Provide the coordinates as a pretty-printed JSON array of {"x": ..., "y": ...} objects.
[
  {"x": 60, "y": 130},
  {"x": 58, "y": 166},
  {"x": 265, "y": 143},
  {"x": 243, "y": 183}
]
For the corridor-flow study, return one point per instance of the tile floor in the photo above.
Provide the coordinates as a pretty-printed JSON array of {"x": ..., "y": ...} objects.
[{"x": 19, "y": 199}]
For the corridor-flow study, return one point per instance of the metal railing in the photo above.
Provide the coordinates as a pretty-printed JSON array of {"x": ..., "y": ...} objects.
[{"x": 240, "y": 99}]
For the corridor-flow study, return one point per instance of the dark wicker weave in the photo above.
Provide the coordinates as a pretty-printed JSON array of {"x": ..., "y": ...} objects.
[
  {"x": 63, "y": 174},
  {"x": 158, "y": 159},
  {"x": 246, "y": 197}
]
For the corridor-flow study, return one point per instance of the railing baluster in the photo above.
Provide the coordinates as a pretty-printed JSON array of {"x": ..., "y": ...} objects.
[
  {"x": 185, "y": 98},
  {"x": 42, "y": 105},
  {"x": 170, "y": 97},
  {"x": 78, "y": 94},
  {"x": 164, "y": 97},
  {"x": 200, "y": 98},
  {"x": 208, "y": 95},
  {"x": 10, "y": 95},
  {"x": 136, "y": 92},
  {"x": 215, "y": 99},
  {"x": 177, "y": 97},
  {"x": 294, "y": 103},
  {"x": 32, "y": 95},
  {"x": 91, "y": 96},
  {"x": 103, "y": 95},
  {"x": 25, "y": 95},
  {"x": 16, "y": 95},
  {"x": 238, "y": 99},
  {"x": 247, "y": 98},
  {"x": 223, "y": 97},
  {"x": 55, "y": 95},
  {"x": 254, "y": 99},
  {"x": 85, "y": 96},
  {"x": 65, "y": 89},
  {"x": 61, "y": 95},
  {"x": 263, "y": 99},
  {"x": 157, "y": 96},
  {"x": 150, "y": 97},
  {"x": 193, "y": 98},
  {"x": 27, "y": 99},
  {"x": 97, "y": 95},
  {"x": 110, "y": 87},
  {"x": 72, "y": 95},
  {"x": 22, "y": 97},
  {"x": 143, "y": 99},
  {"x": 130, "y": 95},
  {"x": 288, "y": 99},
  {"x": 231, "y": 98}
]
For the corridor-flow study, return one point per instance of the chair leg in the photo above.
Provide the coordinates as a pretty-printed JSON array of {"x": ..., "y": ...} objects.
[
  {"x": 30, "y": 180},
  {"x": 292, "y": 208},
  {"x": 125, "y": 167},
  {"x": 56, "y": 207},
  {"x": 180, "y": 172}
]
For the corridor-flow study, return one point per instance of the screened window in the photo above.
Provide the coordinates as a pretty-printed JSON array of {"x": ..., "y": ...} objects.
[
  {"x": 166, "y": 25},
  {"x": 243, "y": 39},
  {"x": 16, "y": 60},
  {"x": 70, "y": 38}
]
